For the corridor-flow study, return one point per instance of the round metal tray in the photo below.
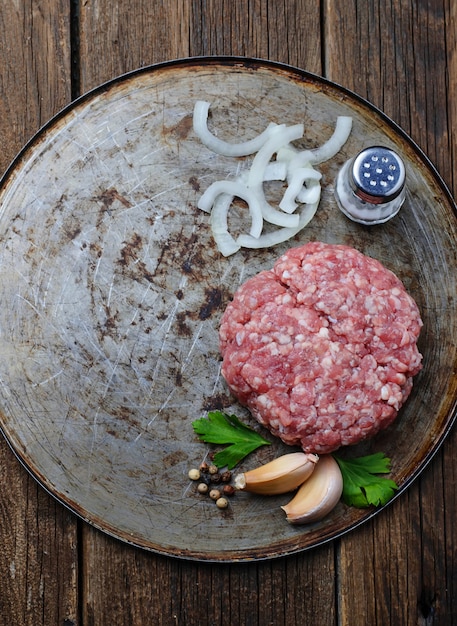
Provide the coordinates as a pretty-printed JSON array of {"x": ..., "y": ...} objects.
[{"x": 112, "y": 291}]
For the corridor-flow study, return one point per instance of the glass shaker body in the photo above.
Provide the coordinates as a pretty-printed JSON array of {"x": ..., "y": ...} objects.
[{"x": 370, "y": 188}]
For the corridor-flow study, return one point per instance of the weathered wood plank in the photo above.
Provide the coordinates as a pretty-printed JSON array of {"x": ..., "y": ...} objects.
[
  {"x": 39, "y": 551},
  {"x": 373, "y": 584},
  {"x": 123, "y": 36},
  {"x": 380, "y": 568},
  {"x": 168, "y": 591},
  {"x": 130, "y": 36},
  {"x": 35, "y": 76},
  {"x": 262, "y": 29},
  {"x": 400, "y": 568},
  {"x": 389, "y": 55},
  {"x": 39, "y": 560},
  {"x": 174, "y": 592},
  {"x": 387, "y": 52},
  {"x": 449, "y": 72}
]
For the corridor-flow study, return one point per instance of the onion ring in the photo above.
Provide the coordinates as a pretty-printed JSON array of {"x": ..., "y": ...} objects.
[
  {"x": 302, "y": 182},
  {"x": 226, "y": 244},
  {"x": 307, "y": 212},
  {"x": 291, "y": 165},
  {"x": 234, "y": 188},
  {"x": 280, "y": 137},
  {"x": 224, "y": 148},
  {"x": 333, "y": 145}
]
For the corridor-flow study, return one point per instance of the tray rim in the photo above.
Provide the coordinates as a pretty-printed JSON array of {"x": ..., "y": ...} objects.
[{"x": 241, "y": 62}]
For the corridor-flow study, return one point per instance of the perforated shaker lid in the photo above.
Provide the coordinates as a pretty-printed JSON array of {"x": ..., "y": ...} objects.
[{"x": 377, "y": 175}]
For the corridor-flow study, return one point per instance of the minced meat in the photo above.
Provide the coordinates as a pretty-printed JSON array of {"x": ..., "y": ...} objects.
[{"x": 322, "y": 348}]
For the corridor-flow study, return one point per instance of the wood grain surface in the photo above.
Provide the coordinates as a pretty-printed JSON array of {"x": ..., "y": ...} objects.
[{"x": 401, "y": 567}]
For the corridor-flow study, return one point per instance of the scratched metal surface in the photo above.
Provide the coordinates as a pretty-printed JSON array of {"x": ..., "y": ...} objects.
[{"x": 112, "y": 290}]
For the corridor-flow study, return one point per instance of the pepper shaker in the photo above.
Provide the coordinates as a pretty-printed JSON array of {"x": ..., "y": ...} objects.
[{"x": 370, "y": 188}]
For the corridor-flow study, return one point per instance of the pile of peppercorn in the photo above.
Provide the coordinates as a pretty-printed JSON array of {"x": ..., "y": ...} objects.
[{"x": 210, "y": 481}]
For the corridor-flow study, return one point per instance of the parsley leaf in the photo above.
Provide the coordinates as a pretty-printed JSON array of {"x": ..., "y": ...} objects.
[
  {"x": 220, "y": 428},
  {"x": 361, "y": 485}
]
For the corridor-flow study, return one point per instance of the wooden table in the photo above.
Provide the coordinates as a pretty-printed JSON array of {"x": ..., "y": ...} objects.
[{"x": 400, "y": 567}]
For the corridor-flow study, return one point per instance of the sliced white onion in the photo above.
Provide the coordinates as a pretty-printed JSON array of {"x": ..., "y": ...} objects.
[
  {"x": 302, "y": 158},
  {"x": 275, "y": 170},
  {"x": 269, "y": 213},
  {"x": 226, "y": 244},
  {"x": 278, "y": 218},
  {"x": 234, "y": 189},
  {"x": 302, "y": 176},
  {"x": 286, "y": 154},
  {"x": 219, "y": 213},
  {"x": 310, "y": 193},
  {"x": 333, "y": 145},
  {"x": 225, "y": 148},
  {"x": 280, "y": 137},
  {"x": 307, "y": 212},
  {"x": 291, "y": 165}
]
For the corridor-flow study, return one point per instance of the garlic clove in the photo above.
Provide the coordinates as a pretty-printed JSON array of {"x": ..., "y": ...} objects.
[
  {"x": 318, "y": 495},
  {"x": 281, "y": 475}
]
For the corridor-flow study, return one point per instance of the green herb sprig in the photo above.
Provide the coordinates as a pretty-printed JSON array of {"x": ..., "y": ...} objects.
[
  {"x": 221, "y": 429},
  {"x": 362, "y": 485}
]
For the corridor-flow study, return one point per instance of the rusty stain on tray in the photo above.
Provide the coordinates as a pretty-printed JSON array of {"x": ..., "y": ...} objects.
[{"x": 112, "y": 291}]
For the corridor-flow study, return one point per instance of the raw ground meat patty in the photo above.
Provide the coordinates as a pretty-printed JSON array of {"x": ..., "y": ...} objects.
[{"x": 322, "y": 348}]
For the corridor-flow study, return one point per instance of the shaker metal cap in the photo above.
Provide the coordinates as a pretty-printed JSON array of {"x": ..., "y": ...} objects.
[{"x": 377, "y": 175}]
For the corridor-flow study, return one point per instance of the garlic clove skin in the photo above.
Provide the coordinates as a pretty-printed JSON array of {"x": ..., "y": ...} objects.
[
  {"x": 318, "y": 495},
  {"x": 281, "y": 475}
]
